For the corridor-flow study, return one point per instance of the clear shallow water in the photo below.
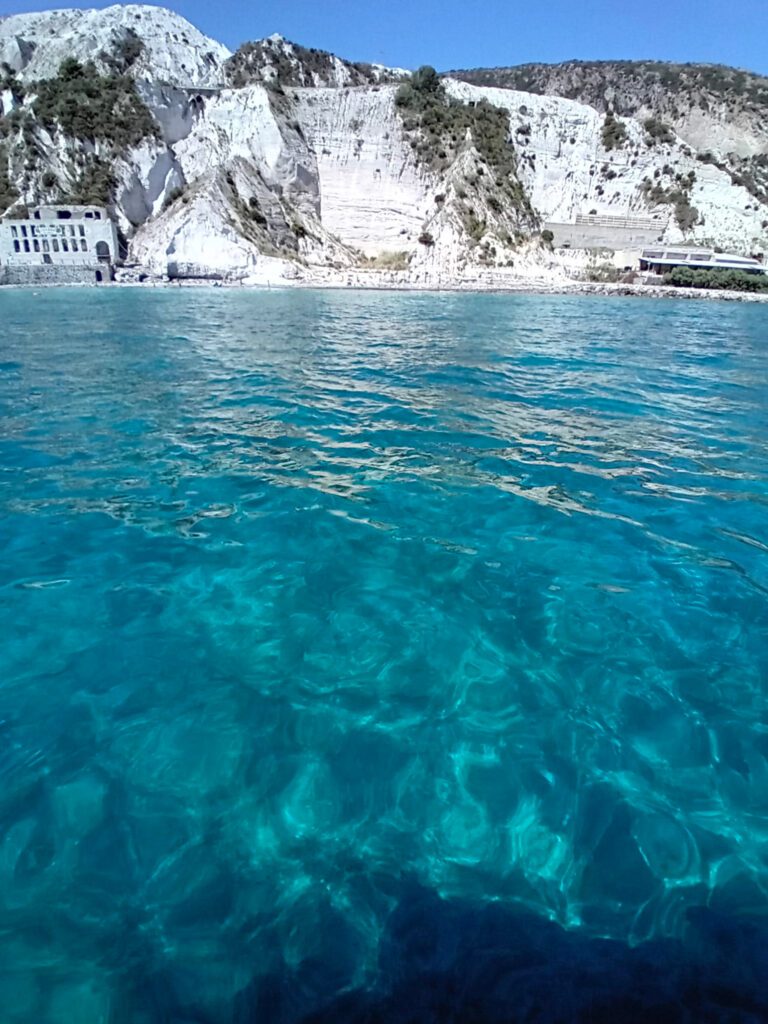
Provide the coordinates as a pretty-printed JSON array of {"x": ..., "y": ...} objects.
[{"x": 379, "y": 657}]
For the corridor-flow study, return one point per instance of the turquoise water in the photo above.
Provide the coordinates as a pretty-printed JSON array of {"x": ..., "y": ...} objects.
[{"x": 382, "y": 657}]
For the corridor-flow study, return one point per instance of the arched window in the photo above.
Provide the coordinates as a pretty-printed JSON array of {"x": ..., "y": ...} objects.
[{"x": 102, "y": 251}]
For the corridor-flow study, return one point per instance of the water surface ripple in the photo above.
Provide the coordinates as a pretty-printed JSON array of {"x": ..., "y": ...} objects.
[{"x": 382, "y": 657}]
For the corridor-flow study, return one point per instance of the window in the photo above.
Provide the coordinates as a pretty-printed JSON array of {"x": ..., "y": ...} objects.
[
  {"x": 97, "y": 215},
  {"x": 14, "y": 232},
  {"x": 47, "y": 259},
  {"x": 82, "y": 231},
  {"x": 16, "y": 246},
  {"x": 89, "y": 215},
  {"x": 26, "y": 245},
  {"x": 46, "y": 247},
  {"x": 33, "y": 231},
  {"x": 84, "y": 246},
  {"x": 73, "y": 243},
  {"x": 36, "y": 244},
  {"x": 55, "y": 245},
  {"x": 71, "y": 229},
  {"x": 64, "y": 245},
  {"x": 63, "y": 214},
  {"x": 37, "y": 215},
  {"x": 23, "y": 231}
]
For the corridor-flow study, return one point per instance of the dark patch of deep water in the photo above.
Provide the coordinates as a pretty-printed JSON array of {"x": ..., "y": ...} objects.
[{"x": 382, "y": 658}]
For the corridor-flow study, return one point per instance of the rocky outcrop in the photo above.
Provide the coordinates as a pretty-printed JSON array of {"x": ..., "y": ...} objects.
[
  {"x": 278, "y": 61},
  {"x": 174, "y": 51}
]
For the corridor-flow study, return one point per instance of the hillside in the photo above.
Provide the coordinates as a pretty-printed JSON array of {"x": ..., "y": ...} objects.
[
  {"x": 709, "y": 106},
  {"x": 280, "y": 161}
]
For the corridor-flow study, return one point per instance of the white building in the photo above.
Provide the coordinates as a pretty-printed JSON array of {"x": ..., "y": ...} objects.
[
  {"x": 81, "y": 240},
  {"x": 661, "y": 260}
]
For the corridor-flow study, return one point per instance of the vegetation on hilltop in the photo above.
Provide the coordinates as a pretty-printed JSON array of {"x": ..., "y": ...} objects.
[
  {"x": 282, "y": 63},
  {"x": 626, "y": 86}
]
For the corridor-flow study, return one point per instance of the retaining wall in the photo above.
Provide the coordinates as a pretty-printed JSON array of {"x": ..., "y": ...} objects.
[
  {"x": 45, "y": 274},
  {"x": 590, "y": 236}
]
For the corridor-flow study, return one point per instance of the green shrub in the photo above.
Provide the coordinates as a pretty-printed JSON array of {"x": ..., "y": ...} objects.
[
  {"x": 125, "y": 53},
  {"x": 20, "y": 212},
  {"x": 614, "y": 133},
  {"x": 95, "y": 185},
  {"x": 603, "y": 273},
  {"x": 8, "y": 191},
  {"x": 686, "y": 215},
  {"x": 10, "y": 83},
  {"x": 730, "y": 280},
  {"x": 389, "y": 260},
  {"x": 85, "y": 105},
  {"x": 255, "y": 211},
  {"x": 658, "y": 131}
]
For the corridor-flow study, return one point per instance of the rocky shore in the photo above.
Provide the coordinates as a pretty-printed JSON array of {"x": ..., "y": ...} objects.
[{"x": 492, "y": 280}]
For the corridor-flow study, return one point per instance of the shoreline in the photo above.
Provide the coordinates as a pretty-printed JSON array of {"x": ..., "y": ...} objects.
[{"x": 383, "y": 282}]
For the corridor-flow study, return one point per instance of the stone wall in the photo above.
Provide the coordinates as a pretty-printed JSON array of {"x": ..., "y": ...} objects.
[
  {"x": 591, "y": 236},
  {"x": 43, "y": 274}
]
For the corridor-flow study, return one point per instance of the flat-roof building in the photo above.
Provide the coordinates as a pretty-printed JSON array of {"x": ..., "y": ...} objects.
[
  {"x": 58, "y": 243},
  {"x": 660, "y": 260}
]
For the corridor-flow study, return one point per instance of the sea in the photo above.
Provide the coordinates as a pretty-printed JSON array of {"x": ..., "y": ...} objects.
[{"x": 382, "y": 657}]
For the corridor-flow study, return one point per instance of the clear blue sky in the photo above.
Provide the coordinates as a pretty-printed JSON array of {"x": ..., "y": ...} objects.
[{"x": 472, "y": 33}]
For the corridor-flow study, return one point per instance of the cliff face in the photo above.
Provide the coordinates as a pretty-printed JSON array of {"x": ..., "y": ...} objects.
[
  {"x": 278, "y": 159},
  {"x": 568, "y": 169}
]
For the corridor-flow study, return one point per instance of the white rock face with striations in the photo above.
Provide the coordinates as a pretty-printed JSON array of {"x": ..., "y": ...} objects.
[
  {"x": 265, "y": 182},
  {"x": 372, "y": 193}
]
